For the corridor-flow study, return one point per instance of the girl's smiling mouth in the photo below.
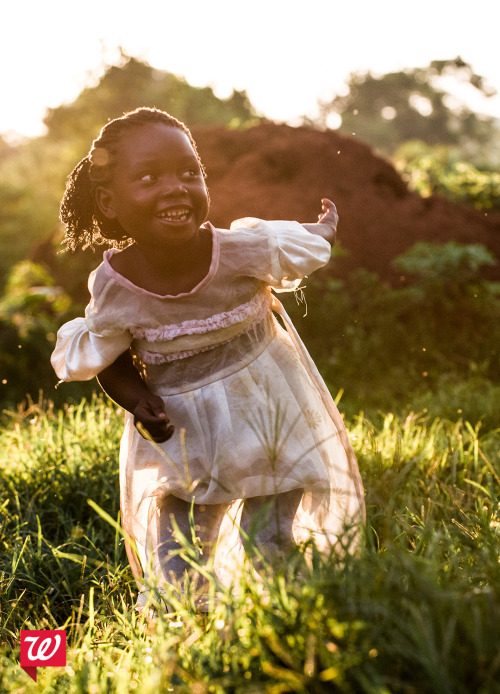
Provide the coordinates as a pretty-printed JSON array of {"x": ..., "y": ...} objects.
[{"x": 177, "y": 213}]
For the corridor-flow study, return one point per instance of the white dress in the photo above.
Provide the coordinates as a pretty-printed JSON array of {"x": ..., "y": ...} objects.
[{"x": 252, "y": 415}]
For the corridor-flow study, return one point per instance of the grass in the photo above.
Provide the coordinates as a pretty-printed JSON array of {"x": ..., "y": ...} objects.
[{"x": 416, "y": 611}]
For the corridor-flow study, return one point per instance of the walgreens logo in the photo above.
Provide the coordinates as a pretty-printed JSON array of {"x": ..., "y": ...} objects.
[{"x": 42, "y": 647}]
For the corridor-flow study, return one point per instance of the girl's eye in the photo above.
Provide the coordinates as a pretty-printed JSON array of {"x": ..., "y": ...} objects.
[
  {"x": 147, "y": 178},
  {"x": 191, "y": 173}
]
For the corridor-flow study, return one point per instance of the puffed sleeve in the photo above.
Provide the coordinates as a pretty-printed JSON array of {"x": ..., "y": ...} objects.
[
  {"x": 86, "y": 346},
  {"x": 280, "y": 253},
  {"x": 80, "y": 354}
]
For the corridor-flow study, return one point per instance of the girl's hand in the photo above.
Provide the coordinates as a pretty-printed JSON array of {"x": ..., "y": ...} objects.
[
  {"x": 150, "y": 413},
  {"x": 328, "y": 215},
  {"x": 327, "y": 221},
  {"x": 123, "y": 383}
]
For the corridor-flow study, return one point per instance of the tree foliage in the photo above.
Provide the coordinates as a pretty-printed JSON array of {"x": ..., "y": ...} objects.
[
  {"x": 414, "y": 104},
  {"x": 134, "y": 83},
  {"x": 31, "y": 310}
]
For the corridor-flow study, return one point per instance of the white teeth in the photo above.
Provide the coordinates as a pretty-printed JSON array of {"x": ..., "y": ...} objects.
[{"x": 175, "y": 214}]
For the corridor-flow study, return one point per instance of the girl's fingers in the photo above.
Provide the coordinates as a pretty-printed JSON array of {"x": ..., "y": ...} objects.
[
  {"x": 151, "y": 420},
  {"x": 329, "y": 211},
  {"x": 328, "y": 206},
  {"x": 165, "y": 436},
  {"x": 158, "y": 434}
]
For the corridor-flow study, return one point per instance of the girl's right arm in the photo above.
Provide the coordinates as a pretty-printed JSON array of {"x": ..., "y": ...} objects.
[{"x": 123, "y": 383}]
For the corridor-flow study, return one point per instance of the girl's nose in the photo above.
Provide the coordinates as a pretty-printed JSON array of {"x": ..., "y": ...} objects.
[{"x": 173, "y": 187}]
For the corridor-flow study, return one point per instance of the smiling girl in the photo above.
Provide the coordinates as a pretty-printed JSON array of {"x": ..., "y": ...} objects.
[{"x": 180, "y": 332}]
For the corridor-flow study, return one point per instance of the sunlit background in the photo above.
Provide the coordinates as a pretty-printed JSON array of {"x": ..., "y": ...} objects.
[{"x": 286, "y": 54}]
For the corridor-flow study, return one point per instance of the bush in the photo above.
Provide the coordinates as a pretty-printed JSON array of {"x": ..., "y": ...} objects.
[
  {"x": 31, "y": 310},
  {"x": 384, "y": 346},
  {"x": 438, "y": 170}
]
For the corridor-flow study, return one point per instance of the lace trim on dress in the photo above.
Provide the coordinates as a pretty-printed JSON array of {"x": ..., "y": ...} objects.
[
  {"x": 256, "y": 308},
  {"x": 226, "y": 335}
]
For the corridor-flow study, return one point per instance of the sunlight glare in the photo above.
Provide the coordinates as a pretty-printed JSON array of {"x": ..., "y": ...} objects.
[{"x": 284, "y": 59}]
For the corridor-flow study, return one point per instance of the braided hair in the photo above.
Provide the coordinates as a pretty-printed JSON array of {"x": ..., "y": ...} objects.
[{"x": 84, "y": 222}]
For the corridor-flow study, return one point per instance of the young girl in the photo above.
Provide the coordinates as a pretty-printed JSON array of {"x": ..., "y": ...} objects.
[{"x": 180, "y": 332}]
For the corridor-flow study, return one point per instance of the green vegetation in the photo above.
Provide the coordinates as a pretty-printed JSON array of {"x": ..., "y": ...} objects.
[
  {"x": 432, "y": 341},
  {"x": 417, "y": 609},
  {"x": 31, "y": 311},
  {"x": 441, "y": 171}
]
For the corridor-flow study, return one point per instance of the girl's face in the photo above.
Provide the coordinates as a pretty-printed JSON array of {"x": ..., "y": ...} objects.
[{"x": 158, "y": 193}]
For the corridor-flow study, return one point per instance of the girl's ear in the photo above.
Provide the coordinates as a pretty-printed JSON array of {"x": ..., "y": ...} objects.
[{"x": 104, "y": 199}]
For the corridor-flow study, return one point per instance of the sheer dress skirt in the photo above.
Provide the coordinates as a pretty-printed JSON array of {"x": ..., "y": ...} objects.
[{"x": 251, "y": 420}]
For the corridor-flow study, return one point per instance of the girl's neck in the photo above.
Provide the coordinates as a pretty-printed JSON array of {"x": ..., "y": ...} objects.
[{"x": 177, "y": 271}]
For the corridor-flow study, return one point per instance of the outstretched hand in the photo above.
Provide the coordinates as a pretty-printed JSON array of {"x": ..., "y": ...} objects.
[
  {"x": 327, "y": 221},
  {"x": 150, "y": 412},
  {"x": 328, "y": 215}
]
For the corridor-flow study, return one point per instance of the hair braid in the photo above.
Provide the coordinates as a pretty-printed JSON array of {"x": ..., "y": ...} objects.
[
  {"x": 77, "y": 208},
  {"x": 84, "y": 222}
]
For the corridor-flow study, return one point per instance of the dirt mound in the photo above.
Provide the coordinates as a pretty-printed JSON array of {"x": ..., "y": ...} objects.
[{"x": 279, "y": 172}]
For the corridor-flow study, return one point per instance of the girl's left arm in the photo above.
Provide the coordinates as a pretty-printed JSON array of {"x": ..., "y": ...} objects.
[{"x": 327, "y": 221}]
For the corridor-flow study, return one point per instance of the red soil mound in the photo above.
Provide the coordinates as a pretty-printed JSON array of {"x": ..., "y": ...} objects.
[{"x": 279, "y": 172}]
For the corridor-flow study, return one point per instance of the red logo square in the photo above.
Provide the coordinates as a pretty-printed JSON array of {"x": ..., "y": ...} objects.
[{"x": 42, "y": 648}]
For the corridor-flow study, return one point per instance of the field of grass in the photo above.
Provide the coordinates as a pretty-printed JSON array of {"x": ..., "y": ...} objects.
[{"x": 416, "y": 611}]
